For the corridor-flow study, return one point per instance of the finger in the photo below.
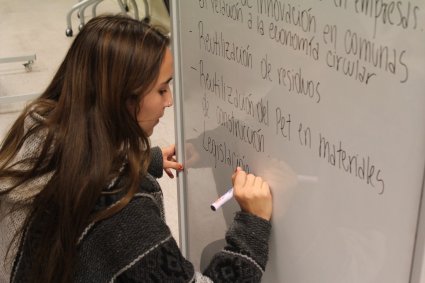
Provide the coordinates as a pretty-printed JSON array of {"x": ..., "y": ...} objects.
[
  {"x": 173, "y": 165},
  {"x": 265, "y": 187},
  {"x": 169, "y": 173},
  {"x": 172, "y": 159},
  {"x": 258, "y": 182},
  {"x": 169, "y": 150},
  {"x": 250, "y": 178},
  {"x": 234, "y": 173},
  {"x": 171, "y": 153},
  {"x": 240, "y": 179}
]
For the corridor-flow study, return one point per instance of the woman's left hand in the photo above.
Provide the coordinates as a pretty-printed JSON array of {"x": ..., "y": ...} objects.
[{"x": 169, "y": 160}]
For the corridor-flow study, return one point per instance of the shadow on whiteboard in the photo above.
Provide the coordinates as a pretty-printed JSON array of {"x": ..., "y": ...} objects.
[{"x": 332, "y": 256}]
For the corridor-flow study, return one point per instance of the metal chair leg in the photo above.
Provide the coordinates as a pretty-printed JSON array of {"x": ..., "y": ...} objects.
[
  {"x": 81, "y": 4},
  {"x": 122, "y": 6},
  {"x": 29, "y": 60},
  {"x": 136, "y": 10},
  {"x": 93, "y": 11}
]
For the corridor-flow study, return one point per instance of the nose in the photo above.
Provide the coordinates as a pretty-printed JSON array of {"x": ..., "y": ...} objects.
[{"x": 170, "y": 101}]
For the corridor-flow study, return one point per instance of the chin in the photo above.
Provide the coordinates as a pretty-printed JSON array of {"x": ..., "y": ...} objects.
[
  {"x": 147, "y": 129},
  {"x": 149, "y": 133}
]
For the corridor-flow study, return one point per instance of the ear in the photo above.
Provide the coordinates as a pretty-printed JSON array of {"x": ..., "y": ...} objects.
[{"x": 132, "y": 104}]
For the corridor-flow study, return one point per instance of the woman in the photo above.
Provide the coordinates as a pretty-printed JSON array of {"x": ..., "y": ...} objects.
[{"x": 78, "y": 194}]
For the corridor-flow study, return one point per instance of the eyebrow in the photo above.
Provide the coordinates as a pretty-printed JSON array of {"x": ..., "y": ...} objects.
[{"x": 168, "y": 81}]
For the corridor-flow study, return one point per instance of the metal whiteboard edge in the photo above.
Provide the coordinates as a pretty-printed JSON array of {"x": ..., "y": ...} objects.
[
  {"x": 178, "y": 126},
  {"x": 417, "y": 274}
]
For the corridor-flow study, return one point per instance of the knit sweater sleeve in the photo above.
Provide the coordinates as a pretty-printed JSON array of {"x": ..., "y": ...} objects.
[
  {"x": 242, "y": 260},
  {"x": 156, "y": 165},
  {"x": 244, "y": 257}
]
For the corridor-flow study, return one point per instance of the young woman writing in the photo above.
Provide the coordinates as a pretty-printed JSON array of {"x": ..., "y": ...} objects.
[{"x": 79, "y": 200}]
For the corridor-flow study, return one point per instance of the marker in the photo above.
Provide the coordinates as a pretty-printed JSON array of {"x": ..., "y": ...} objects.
[{"x": 222, "y": 200}]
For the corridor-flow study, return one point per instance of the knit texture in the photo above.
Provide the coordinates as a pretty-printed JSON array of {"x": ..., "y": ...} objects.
[
  {"x": 10, "y": 223},
  {"x": 136, "y": 245}
]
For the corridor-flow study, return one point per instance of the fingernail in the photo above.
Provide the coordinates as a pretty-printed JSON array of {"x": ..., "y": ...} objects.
[{"x": 180, "y": 167}]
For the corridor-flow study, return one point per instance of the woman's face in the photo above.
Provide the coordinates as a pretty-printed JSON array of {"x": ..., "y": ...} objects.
[{"x": 152, "y": 105}]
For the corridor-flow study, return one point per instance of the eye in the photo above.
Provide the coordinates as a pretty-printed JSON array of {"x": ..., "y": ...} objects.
[{"x": 162, "y": 91}]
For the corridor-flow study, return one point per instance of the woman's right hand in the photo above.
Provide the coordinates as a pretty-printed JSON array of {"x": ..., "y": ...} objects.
[{"x": 252, "y": 193}]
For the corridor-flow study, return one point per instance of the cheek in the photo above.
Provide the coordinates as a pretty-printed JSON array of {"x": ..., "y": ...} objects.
[
  {"x": 144, "y": 105},
  {"x": 149, "y": 109}
]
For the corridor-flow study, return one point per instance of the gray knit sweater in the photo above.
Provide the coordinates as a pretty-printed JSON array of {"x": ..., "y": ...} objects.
[{"x": 135, "y": 245}]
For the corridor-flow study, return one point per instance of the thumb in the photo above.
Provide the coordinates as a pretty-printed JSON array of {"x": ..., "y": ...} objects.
[{"x": 169, "y": 151}]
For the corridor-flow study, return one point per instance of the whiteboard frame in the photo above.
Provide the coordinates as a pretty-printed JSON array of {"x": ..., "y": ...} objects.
[
  {"x": 417, "y": 274},
  {"x": 178, "y": 126}
]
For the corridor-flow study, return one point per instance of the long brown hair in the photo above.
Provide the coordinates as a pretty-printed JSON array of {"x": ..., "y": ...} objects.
[{"x": 88, "y": 134}]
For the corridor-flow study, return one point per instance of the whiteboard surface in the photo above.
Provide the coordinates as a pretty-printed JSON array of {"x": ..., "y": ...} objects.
[{"x": 326, "y": 102}]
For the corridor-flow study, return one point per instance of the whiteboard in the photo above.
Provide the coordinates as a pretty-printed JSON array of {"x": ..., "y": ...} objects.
[{"x": 325, "y": 100}]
